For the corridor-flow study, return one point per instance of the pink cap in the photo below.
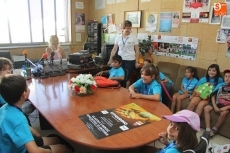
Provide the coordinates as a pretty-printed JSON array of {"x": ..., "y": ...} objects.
[{"x": 186, "y": 116}]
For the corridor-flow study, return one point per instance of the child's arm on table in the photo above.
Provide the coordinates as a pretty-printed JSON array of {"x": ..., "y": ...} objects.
[{"x": 155, "y": 97}]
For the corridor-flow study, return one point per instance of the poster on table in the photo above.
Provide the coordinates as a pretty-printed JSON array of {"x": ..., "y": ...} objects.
[
  {"x": 176, "y": 19},
  {"x": 196, "y": 9},
  {"x": 116, "y": 120},
  {"x": 151, "y": 22},
  {"x": 214, "y": 19},
  {"x": 175, "y": 46},
  {"x": 165, "y": 22},
  {"x": 80, "y": 22}
]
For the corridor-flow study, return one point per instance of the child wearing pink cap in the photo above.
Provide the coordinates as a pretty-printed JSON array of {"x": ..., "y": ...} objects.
[
  {"x": 180, "y": 135},
  {"x": 220, "y": 102}
]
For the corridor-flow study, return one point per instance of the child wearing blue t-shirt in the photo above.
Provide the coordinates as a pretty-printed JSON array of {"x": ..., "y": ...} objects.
[
  {"x": 147, "y": 87},
  {"x": 188, "y": 84},
  {"x": 223, "y": 108},
  {"x": 213, "y": 77},
  {"x": 180, "y": 135},
  {"x": 116, "y": 72},
  {"x": 15, "y": 133}
]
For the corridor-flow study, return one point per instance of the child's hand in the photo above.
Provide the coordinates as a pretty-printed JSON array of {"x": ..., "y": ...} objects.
[
  {"x": 190, "y": 97},
  {"x": 164, "y": 138},
  {"x": 99, "y": 73},
  {"x": 135, "y": 95},
  {"x": 217, "y": 109}
]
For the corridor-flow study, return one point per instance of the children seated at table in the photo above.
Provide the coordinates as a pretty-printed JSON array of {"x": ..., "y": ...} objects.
[
  {"x": 147, "y": 86},
  {"x": 6, "y": 68},
  {"x": 15, "y": 134},
  {"x": 116, "y": 72},
  {"x": 162, "y": 77},
  {"x": 220, "y": 102}
]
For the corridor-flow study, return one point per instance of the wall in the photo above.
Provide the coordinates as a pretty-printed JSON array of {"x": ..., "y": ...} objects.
[{"x": 208, "y": 51}]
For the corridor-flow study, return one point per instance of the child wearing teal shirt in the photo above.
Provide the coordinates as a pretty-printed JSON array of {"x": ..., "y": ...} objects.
[
  {"x": 147, "y": 87},
  {"x": 180, "y": 134},
  {"x": 212, "y": 77}
]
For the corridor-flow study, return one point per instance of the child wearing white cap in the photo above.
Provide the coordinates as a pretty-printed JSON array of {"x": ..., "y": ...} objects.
[{"x": 180, "y": 135}]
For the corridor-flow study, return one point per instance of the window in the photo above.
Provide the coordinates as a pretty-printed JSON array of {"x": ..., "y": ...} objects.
[{"x": 33, "y": 21}]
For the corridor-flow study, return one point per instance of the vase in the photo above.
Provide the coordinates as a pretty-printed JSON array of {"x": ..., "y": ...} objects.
[{"x": 85, "y": 94}]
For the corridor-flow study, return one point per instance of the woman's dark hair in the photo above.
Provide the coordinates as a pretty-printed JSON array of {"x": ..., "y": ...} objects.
[
  {"x": 216, "y": 66},
  {"x": 12, "y": 87},
  {"x": 126, "y": 23},
  {"x": 187, "y": 138},
  {"x": 150, "y": 70},
  {"x": 194, "y": 71}
]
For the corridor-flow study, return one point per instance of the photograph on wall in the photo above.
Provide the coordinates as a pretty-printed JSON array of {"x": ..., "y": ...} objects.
[
  {"x": 186, "y": 16},
  {"x": 151, "y": 22},
  {"x": 196, "y": 5},
  {"x": 175, "y": 46},
  {"x": 99, "y": 4},
  {"x": 116, "y": 120},
  {"x": 214, "y": 19},
  {"x": 228, "y": 8},
  {"x": 80, "y": 22},
  {"x": 194, "y": 17},
  {"x": 222, "y": 35},
  {"x": 176, "y": 19},
  {"x": 165, "y": 22},
  {"x": 134, "y": 17},
  {"x": 204, "y": 16},
  {"x": 228, "y": 45},
  {"x": 225, "y": 23}
]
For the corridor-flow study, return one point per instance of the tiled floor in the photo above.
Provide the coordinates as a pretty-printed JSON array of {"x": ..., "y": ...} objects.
[{"x": 217, "y": 139}]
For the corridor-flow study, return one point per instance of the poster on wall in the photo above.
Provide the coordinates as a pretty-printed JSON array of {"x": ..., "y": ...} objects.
[
  {"x": 222, "y": 35},
  {"x": 151, "y": 22},
  {"x": 176, "y": 19},
  {"x": 196, "y": 5},
  {"x": 198, "y": 9},
  {"x": 225, "y": 24},
  {"x": 109, "y": 38},
  {"x": 165, "y": 22},
  {"x": 214, "y": 19},
  {"x": 116, "y": 120},
  {"x": 228, "y": 45},
  {"x": 175, "y": 46},
  {"x": 80, "y": 22}
]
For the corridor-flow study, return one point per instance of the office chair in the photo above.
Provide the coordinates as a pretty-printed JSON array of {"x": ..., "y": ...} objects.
[{"x": 202, "y": 145}]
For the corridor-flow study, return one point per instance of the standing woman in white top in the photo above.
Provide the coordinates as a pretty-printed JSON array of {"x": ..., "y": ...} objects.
[
  {"x": 128, "y": 49},
  {"x": 55, "y": 47}
]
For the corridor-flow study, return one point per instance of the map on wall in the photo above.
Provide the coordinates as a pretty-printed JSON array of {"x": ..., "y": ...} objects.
[{"x": 175, "y": 46}]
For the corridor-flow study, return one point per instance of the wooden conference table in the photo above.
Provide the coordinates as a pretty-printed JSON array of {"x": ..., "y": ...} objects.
[{"x": 61, "y": 108}]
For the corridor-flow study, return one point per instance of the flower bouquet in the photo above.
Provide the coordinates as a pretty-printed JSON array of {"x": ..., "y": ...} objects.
[{"x": 83, "y": 84}]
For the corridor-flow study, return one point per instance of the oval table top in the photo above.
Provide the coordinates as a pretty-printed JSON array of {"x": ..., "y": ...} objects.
[{"x": 61, "y": 108}]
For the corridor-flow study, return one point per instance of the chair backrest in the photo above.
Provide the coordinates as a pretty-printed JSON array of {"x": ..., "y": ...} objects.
[
  {"x": 202, "y": 145},
  {"x": 123, "y": 83}
]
